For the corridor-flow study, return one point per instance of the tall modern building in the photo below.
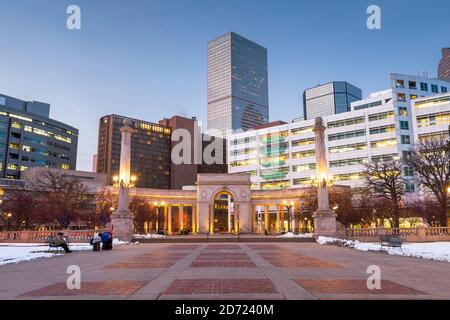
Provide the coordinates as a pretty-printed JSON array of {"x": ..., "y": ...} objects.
[
  {"x": 330, "y": 98},
  {"x": 444, "y": 65},
  {"x": 238, "y": 95},
  {"x": 29, "y": 138},
  {"x": 383, "y": 126},
  {"x": 151, "y": 152}
]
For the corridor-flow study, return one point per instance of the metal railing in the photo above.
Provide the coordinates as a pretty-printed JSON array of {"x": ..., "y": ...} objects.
[{"x": 41, "y": 236}]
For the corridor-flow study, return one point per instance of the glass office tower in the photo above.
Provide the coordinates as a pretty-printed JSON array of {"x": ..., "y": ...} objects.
[
  {"x": 238, "y": 95},
  {"x": 328, "y": 99},
  {"x": 29, "y": 138}
]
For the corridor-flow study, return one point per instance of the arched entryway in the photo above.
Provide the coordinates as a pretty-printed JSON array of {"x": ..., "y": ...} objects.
[{"x": 224, "y": 212}]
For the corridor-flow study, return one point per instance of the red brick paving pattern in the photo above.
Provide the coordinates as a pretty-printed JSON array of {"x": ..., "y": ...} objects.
[
  {"x": 257, "y": 247},
  {"x": 182, "y": 247},
  {"x": 141, "y": 265},
  {"x": 340, "y": 286},
  {"x": 230, "y": 257},
  {"x": 221, "y": 286},
  {"x": 223, "y": 247},
  {"x": 112, "y": 287},
  {"x": 296, "y": 260},
  {"x": 222, "y": 264}
]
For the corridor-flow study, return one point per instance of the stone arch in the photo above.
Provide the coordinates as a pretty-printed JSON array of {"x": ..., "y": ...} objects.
[{"x": 231, "y": 217}]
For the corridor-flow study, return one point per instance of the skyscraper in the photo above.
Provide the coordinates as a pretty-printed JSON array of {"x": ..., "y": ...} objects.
[
  {"x": 444, "y": 65},
  {"x": 330, "y": 98},
  {"x": 238, "y": 95}
]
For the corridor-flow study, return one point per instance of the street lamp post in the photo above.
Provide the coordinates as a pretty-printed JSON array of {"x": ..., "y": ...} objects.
[{"x": 8, "y": 218}]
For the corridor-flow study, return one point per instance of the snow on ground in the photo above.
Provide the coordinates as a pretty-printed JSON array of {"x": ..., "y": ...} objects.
[
  {"x": 21, "y": 252},
  {"x": 292, "y": 235},
  {"x": 439, "y": 251},
  {"x": 149, "y": 236}
]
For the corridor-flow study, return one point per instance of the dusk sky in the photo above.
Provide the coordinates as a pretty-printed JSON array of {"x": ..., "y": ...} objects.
[{"x": 148, "y": 59}]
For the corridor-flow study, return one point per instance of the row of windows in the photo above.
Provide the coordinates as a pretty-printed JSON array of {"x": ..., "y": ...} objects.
[
  {"x": 382, "y": 129},
  {"x": 345, "y": 122},
  {"x": 347, "y": 162},
  {"x": 412, "y": 85},
  {"x": 346, "y": 135},
  {"x": 381, "y": 116},
  {"x": 433, "y": 119}
]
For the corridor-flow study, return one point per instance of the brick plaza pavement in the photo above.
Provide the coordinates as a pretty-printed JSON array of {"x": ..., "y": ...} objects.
[{"x": 226, "y": 271}]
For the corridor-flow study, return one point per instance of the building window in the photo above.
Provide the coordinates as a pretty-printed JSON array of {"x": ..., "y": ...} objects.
[
  {"x": 412, "y": 85},
  {"x": 408, "y": 171},
  {"x": 401, "y": 97},
  {"x": 400, "y": 84},
  {"x": 403, "y": 111},
  {"x": 404, "y": 125},
  {"x": 413, "y": 96},
  {"x": 406, "y": 139},
  {"x": 410, "y": 187},
  {"x": 424, "y": 86},
  {"x": 434, "y": 88},
  {"x": 444, "y": 89}
]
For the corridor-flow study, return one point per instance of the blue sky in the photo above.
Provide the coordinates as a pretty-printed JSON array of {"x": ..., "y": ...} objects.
[{"x": 147, "y": 58}]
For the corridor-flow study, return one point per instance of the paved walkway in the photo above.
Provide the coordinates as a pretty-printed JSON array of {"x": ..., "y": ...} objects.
[{"x": 226, "y": 271}]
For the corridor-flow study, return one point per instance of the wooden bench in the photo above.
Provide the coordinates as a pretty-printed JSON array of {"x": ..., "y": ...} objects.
[
  {"x": 391, "y": 241},
  {"x": 52, "y": 243}
]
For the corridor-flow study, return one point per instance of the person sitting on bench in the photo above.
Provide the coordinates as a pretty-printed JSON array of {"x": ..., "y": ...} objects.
[{"x": 62, "y": 242}]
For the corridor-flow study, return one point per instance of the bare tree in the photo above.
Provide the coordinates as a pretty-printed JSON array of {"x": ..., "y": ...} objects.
[
  {"x": 62, "y": 194},
  {"x": 141, "y": 211},
  {"x": 105, "y": 204},
  {"x": 19, "y": 204},
  {"x": 430, "y": 160},
  {"x": 385, "y": 180}
]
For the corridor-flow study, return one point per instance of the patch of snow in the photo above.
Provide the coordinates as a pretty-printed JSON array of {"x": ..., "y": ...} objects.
[
  {"x": 149, "y": 236},
  {"x": 293, "y": 235},
  {"x": 439, "y": 251},
  {"x": 21, "y": 252}
]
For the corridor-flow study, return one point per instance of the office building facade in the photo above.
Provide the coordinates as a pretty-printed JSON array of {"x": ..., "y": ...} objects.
[
  {"x": 444, "y": 65},
  {"x": 29, "y": 138},
  {"x": 384, "y": 126},
  {"x": 328, "y": 99},
  {"x": 238, "y": 95},
  {"x": 151, "y": 152}
]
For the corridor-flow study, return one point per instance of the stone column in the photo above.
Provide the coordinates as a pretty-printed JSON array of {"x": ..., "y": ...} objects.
[
  {"x": 266, "y": 218},
  {"x": 282, "y": 208},
  {"x": 181, "y": 217},
  {"x": 166, "y": 217},
  {"x": 169, "y": 221},
  {"x": 194, "y": 219},
  {"x": 229, "y": 215},
  {"x": 296, "y": 216},
  {"x": 211, "y": 218},
  {"x": 324, "y": 217},
  {"x": 122, "y": 220},
  {"x": 236, "y": 218},
  {"x": 278, "y": 218}
]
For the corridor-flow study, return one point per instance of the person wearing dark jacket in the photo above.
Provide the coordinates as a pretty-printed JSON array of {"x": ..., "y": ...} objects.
[
  {"x": 106, "y": 240},
  {"x": 62, "y": 242}
]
